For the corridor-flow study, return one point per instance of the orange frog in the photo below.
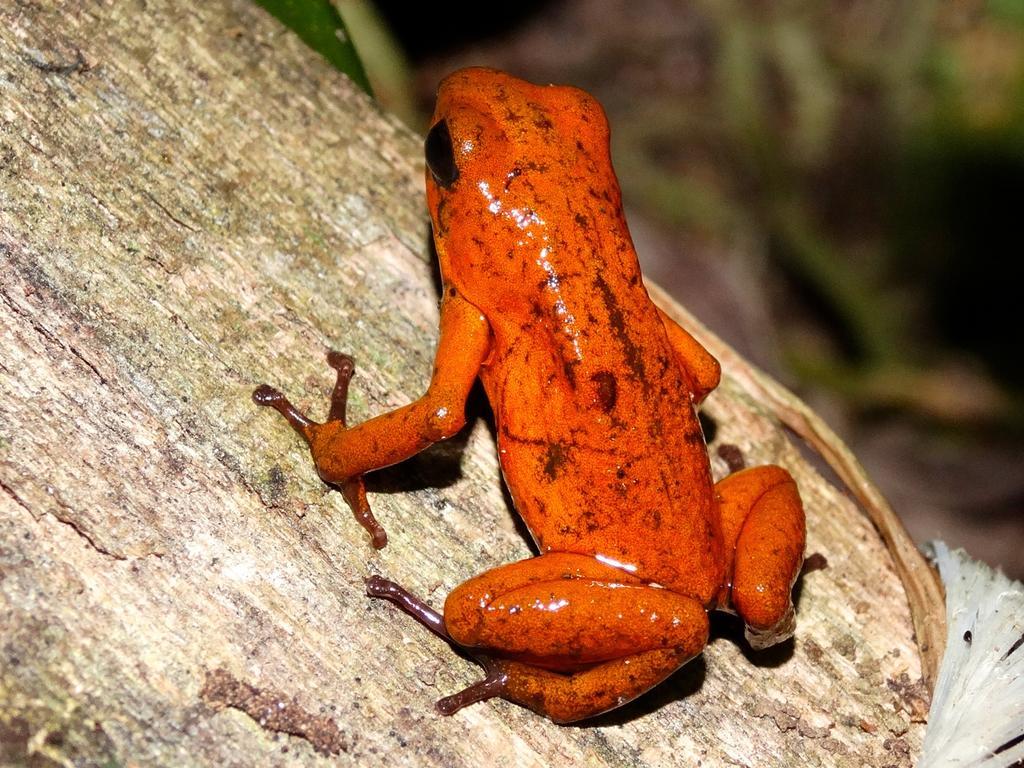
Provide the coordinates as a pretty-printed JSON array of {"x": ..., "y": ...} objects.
[{"x": 594, "y": 391}]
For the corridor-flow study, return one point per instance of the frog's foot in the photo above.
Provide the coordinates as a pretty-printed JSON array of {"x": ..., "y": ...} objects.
[
  {"x": 352, "y": 489},
  {"x": 495, "y": 680}
]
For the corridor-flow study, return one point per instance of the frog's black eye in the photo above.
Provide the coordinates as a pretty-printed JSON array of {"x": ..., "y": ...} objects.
[{"x": 441, "y": 155}]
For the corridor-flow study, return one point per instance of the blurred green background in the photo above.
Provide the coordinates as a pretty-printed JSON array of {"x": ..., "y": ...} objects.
[{"x": 833, "y": 187}]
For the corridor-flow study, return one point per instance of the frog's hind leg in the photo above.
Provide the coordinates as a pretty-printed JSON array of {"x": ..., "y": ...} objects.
[
  {"x": 763, "y": 525},
  {"x": 492, "y": 685},
  {"x": 353, "y": 489},
  {"x": 572, "y": 636},
  {"x": 561, "y": 634},
  {"x": 495, "y": 680}
]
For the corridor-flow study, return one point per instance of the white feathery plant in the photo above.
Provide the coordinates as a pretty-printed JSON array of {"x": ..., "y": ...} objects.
[{"x": 977, "y": 713}]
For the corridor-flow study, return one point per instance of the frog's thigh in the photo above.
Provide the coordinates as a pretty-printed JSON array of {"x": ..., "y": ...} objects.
[
  {"x": 564, "y": 611},
  {"x": 761, "y": 512}
]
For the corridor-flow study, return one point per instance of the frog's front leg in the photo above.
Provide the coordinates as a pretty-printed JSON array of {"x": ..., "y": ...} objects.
[
  {"x": 342, "y": 454},
  {"x": 564, "y": 634}
]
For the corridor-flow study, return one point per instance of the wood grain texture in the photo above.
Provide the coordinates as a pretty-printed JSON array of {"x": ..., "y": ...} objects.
[{"x": 190, "y": 204}]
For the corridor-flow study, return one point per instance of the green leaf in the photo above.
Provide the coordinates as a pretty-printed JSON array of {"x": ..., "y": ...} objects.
[
  {"x": 1011, "y": 10},
  {"x": 319, "y": 25}
]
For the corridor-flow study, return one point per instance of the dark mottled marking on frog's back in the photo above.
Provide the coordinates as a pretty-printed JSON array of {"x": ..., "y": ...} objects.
[
  {"x": 591, "y": 521},
  {"x": 569, "y": 368},
  {"x": 607, "y": 390},
  {"x": 512, "y": 176},
  {"x": 652, "y": 519},
  {"x": 617, "y": 320},
  {"x": 555, "y": 456}
]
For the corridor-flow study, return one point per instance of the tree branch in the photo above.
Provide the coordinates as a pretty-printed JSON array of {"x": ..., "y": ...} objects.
[{"x": 290, "y": 220}]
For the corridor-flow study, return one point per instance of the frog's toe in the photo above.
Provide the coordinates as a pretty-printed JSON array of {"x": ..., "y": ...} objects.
[
  {"x": 266, "y": 395},
  {"x": 759, "y": 639},
  {"x": 354, "y": 491},
  {"x": 341, "y": 362},
  {"x": 492, "y": 686},
  {"x": 345, "y": 365}
]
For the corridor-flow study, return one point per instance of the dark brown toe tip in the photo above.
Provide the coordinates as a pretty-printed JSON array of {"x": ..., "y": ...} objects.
[
  {"x": 265, "y": 394},
  {"x": 447, "y": 706},
  {"x": 379, "y": 538},
  {"x": 341, "y": 362},
  {"x": 378, "y": 586}
]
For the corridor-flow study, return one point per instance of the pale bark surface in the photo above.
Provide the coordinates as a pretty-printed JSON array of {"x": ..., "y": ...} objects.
[{"x": 190, "y": 204}]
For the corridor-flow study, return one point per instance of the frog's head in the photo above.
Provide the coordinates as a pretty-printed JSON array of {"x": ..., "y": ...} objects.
[{"x": 514, "y": 171}]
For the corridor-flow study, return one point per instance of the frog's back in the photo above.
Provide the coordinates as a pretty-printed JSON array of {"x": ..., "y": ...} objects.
[{"x": 600, "y": 443}]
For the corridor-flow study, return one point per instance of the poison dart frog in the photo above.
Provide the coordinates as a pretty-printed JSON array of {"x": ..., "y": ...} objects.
[{"x": 594, "y": 391}]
